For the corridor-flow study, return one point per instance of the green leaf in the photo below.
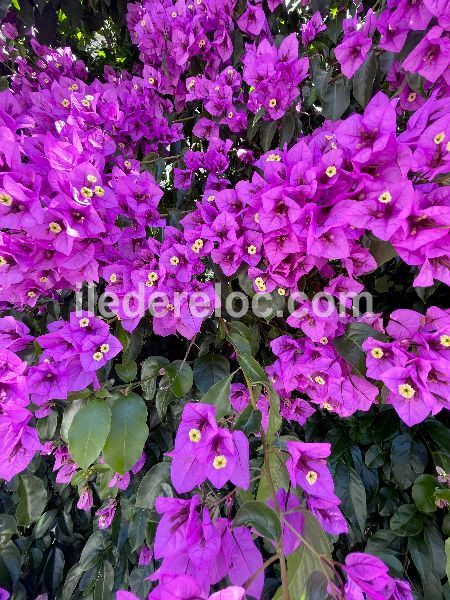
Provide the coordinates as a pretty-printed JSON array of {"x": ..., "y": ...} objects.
[
  {"x": 437, "y": 432},
  {"x": 249, "y": 421},
  {"x": 276, "y": 461},
  {"x": 54, "y": 569},
  {"x": 128, "y": 432},
  {"x": 94, "y": 549},
  {"x": 180, "y": 377},
  {"x": 336, "y": 99},
  {"x": 306, "y": 560},
  {"x": 239, "y": 342},
  {"x": 266, "y": 134},
  {"x": 150, "y": 369},
  {"x": 71, "y": 582},
  {"x": 44, "y": 523},
  {"x": 12, "y": 559},
  {"x": 443, "y": 494},
  {"x": 104, "y": 582},
  {"x": 69, "y": 413},
  {"x": 349, "y": 345},
  {"x": 137, "y": 528},
  {"x": 350, "y": 488},
  {"x": 127, "y": 371},
  {"x": 150, "y": 486},
  {"x": 261, "y": 517},
  {"x": 382, "y": 251},
  {"x": 219, "y": 395},
  {"x": 423, "y": 493},
  {"x": 32, "y": 499},
  {"x": 406, "y": 520},
  {"x": 88, "y": 432},
  {"x": 8, "y": 528},
  {"x": 252, "y": 369},
  {"x": 447, "y": 554},
  {"x": 164, "y": 396},
  {"x": 363, "y": 79},
  {"x": 408, "y": 459},
  {"x": 209, "y": 369}
]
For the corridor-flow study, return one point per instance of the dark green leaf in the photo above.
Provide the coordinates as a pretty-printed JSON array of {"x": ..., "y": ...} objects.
[
  {"x": 8, "y": 527},
  {"x": 336, "y": 99},
  {"x": 209, "y": 369},
  {"x": 127, "y": 371},
  {"x": 266, "y": 134},
  {"x": 406, "y": 520},
  {"x": 423, "y": 493},
  {"x": 307, "y": 559},
  {"x": 219, "y": 395},
  {"x": 363, "y": 79},
  {"x": 349, "y": 345},
  {"x": 94, "y": 549},
  {"x": 261, "y": 517},
  {"x": 32, "y": 499},
  {"x": 128, "y": 432},
  {"x": 88, "y": 432},
  {"x": 104, "y": 582},
  {"x": 180, "y": 377},
  {"x": 249, "y": 420},
  {"x": 150, "y": 486},
  {"x": 408, "y": 458}
]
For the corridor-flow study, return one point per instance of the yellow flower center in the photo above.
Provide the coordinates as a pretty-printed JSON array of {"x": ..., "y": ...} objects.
[
  {"x": 86, "y": 103},
  {"x": 412, "y": 96},
  {"x": 5, "y": 199},
  {"x": 281, "y": 291},
  {"x": 272, "y": 102},
  {"x": 174, "y": 14},
  {"x": 331, "y": 171},
  {"x": 256, "y": 218},
  {"x": 219, "y": 462},
  {"x": 97, "y": 356},
  {"x": 99, "y": 191},
  {"x": 31, "y": 294},
  {"x": 273, "y": 158},
  {"x": 104, "y": 348},
  {"x": 174, "y": 261},
  {"x": 385, "y": 197},
  {"x": 43, "y": 279},
  {"x": 55, "y": 227},
  {"x": 377, "y": 353},
  {"x": 127, "y": 164},
  {"x": 113, "y": 278},
  {"x": 311, "y": 477},
  {"x": 406, "y": 390},
  {"x": 251, "y": 249},
  {"x": 151, "y": 80},
  {"x": 86, "y": 192},
  {"x": 259, "y": 282},
  {"x": 169, "y": 307},
  {"x": 439, "y": 138},
  {"x": 327, "y": 406},
  {"x": 201, "y": 43},
  {"x": 83, "y": 322},
  {"x": 445, "y": 340},
  {"x": 65, "y": 102},
  {"x": 91, "y": 178},
  {"x": 152, "y": 276},
  {"x": 195, "y": 435},
  {"x": 320, "y": 380},
  {"x": 211, "y": 198},
  {"x": 3, "y": 262},
  {"x": 323, "y": 340}
]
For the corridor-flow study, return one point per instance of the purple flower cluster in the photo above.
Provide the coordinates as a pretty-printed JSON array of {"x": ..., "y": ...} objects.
[
  {"x": 204, "y": 451},
  {"x": 190, "y": 543},
  {"x": 317, "y": 371},
  {"x": 414, "y": 365}
]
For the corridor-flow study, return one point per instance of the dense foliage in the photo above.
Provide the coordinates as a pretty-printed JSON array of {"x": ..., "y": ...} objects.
[{"x": 224, "y": 330}]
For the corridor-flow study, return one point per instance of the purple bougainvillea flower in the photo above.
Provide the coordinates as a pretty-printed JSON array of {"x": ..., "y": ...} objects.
[
  {"x": 85, "y": 501},
  {"x": 291, "y": 505},
  {"x": 366, "y": 574},
  {"x": 307, "y": 467},
  {"x": 106, "y": 514}
]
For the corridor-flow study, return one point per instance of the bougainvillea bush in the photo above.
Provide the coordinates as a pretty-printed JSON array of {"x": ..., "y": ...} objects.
[{"x": 224, "y": 330}]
